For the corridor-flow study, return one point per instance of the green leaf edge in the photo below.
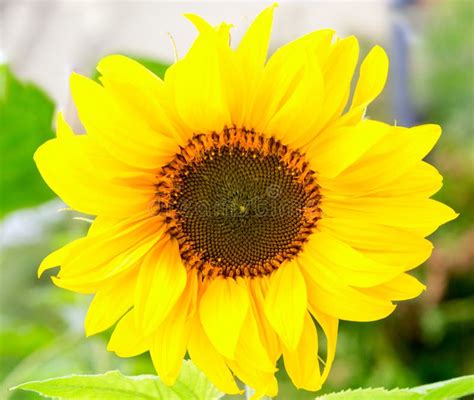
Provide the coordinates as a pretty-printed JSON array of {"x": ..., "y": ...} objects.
[
  {"x": 456, "y": 387},
  {"x": 352, "y": 393},
  {"x": 177, "y": 388},
  {"x": 25, "y": 386}
]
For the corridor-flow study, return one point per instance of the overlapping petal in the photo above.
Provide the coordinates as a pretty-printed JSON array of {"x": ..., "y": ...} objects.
[
  {"x": 329, "y": 294},
  {"x": 286, "y": 302},
  {"x": 142, "y": 93},
  {"x": 418, "y": 215},
  {"x": 197, "y": 87},
  {"x": 251, "y": 55},
  {"x": 353, "y": 267},
  {"x": 111, "y": 303},
  {"x": 388, "y": 245},
  {"x": 208, "y": 359},
  {"x": 292, "y": 75},
  {"x": 338, "y": 71},
  {"x": 127, "y": 339},
  {"x": 90, "y": 180},
  {"x": 98, "y": 258},
  {"x": 160, "y": 282},
  {"x": 302, "y": 364},
  {"x": 121, "y": 131},
  {"x": 293, "y": 121},
  {"x": 222, "y": 309},
  {"x": 402, "y": 287},
  {"x": 268, "y": 336},
  {"x": 329, "y": 326},
  {"x": 398, "y": 152},
  {"x": 372, "y": 77},
  {"x": 170, "y": 340},
  {"x": 251, "y": 350},
  {"x": 332, "y": 153}
]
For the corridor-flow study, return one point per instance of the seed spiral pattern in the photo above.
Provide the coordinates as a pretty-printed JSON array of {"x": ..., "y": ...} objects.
[{"x": 238, "y": 203}]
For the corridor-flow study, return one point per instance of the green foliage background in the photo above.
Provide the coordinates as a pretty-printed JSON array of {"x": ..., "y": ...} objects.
[
  {"x": 26, "y": 121},
  {"x": 426, "y": 340}
]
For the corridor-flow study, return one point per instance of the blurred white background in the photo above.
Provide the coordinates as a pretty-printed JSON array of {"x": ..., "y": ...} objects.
[{"x": 44, "y": 41}]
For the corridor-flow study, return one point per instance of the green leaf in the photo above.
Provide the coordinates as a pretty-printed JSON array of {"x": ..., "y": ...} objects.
[
  {"x": 370, "y": 394},
  {"x": 451, "y": 389},
  {"x": 190, "y": 385},
  {"x": 26, "y": 115},
  {"x": 445, "y": 390}
]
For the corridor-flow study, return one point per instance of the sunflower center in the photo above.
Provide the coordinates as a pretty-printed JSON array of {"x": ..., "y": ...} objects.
[{"x": 238, "y": 203}]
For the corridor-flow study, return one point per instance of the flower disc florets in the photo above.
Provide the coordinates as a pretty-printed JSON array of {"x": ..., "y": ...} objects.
[{"x": 239, "y": 203}]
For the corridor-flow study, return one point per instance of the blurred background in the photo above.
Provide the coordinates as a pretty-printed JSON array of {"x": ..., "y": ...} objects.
[{"x": 431, "y": 47}]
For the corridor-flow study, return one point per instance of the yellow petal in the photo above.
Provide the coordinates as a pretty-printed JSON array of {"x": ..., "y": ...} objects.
[
  {"x": 280, "y": 78},
  {"x": 140, "y": 91},
  {"x": 264, "y": 383},
  {"x": 350, "y": 118},
  {"x": 101, "y": 224},
  {"x": 403, "y": 287},
  {"x": 253, "y": 48},
  {"x": 329, "y": 294},
  {"x": 317, "y": 43},
  {"x": 122, "y": 68},
  {"x": 63, "y": 130},
  {"x": 399, "y": 151},
  {"x": 222, "y": 309},
  {"x": 161, "y": 280},
  {"x": 251, "y": 363},
  {"x": 418, "y": 215},
  {"x": 128, "y": 340},
  {"x": 169, "y": 342},
  {"x": 302, "y": 364},
  {"x": 282, "y": 75},
  {"x": 292, "y": 123},
  {"x": 250, "y": 58},
  {"x": 286, "y": 303},
  {"x": 110, "y": 303},
  {"x": 103, "y": 256},
  {"x": 422, "y": 180},
  {"x": 208, "y": 360},
  {"x": 203, "y": 26},
  {"x": 200, "y": 23},
  {"x": 57, "y": 257},
  {"x": 367, "y": 85},
  {"x": 330, "y": 327},
  {"x": 269, "y": 390},
  {"x": 126, "y": 135},
  {"x": 251, "y": 351},
  {"x": 352, "y": 266},
  {"x": 74, "y": 167},
  {"x": 338, "y": 71},
  {"x": 372, "y": 78},
  {"x": 198, "y": 87},
  {"x": 230, "y": 73},
  {"x": 97, "y": 159},
  {"x": 392, "y": 246},
  {"x": 348, "y": 143},
  {"x": 291, "y": 69},
  {"x": 267, "y": 334}
]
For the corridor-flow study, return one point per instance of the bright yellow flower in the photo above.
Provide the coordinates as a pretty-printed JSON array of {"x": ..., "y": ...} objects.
[{"x": 239, "y": 208}]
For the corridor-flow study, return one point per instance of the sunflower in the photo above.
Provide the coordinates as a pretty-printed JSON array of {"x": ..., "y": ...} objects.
[{"x": 242, "y": 204}]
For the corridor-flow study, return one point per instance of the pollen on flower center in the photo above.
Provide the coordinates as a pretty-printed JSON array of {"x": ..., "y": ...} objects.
[{"x": 238, "y": 203}]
